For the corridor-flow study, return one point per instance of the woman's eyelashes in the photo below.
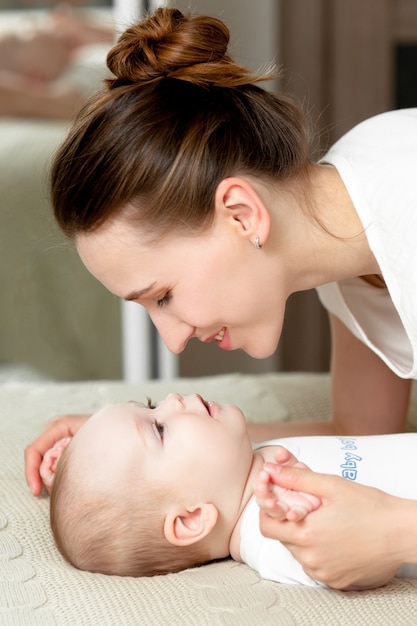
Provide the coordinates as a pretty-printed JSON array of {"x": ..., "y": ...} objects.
[{"x": 161, "y": 302}]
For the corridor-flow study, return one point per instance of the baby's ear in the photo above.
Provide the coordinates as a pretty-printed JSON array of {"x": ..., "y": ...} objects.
[
  {"x": 183, "y": 527},
  {"x": 50, "y": 461}
]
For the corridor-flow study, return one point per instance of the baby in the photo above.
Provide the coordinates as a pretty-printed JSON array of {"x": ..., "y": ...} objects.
[{"x": 140, "y": 491}]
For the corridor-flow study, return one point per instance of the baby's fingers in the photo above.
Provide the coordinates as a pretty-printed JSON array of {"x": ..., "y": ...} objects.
[
  {"x": 266, "y": 498},
  {"x": 263, "y": 490},
  {"x": 274, "y": 509},
  {"x": 297, "y": 513},
  {"x": 284, "y": 457}
]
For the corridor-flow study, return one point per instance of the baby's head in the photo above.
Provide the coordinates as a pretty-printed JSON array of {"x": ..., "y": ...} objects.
[{"x": 142, "y": 491}]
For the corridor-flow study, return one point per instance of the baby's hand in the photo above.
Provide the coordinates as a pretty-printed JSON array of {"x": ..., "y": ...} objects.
[{"x": 283, "y": 504}]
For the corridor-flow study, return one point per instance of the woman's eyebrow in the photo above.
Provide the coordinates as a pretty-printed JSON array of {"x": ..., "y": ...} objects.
[{"x": 135, "y": 295}]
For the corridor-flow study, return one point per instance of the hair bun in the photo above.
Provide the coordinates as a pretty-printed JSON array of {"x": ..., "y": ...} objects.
[{"x": 169, "y": 44}]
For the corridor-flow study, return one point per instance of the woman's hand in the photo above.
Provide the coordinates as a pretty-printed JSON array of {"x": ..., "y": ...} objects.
[
  {"x": 358, "y": 537},
  {"x": 59, "y": 428}
]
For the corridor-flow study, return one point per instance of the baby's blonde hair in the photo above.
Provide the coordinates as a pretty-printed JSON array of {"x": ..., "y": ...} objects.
[{"x": 115, "y": 533}]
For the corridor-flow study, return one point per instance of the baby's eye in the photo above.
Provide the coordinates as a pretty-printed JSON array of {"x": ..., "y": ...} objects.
[
  {"x": 159, "y": 428},
  {"x": 165, "y": 300}
]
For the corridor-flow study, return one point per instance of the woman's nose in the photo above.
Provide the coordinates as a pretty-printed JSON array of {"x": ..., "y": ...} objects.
[{"x": 175, "y": 333}]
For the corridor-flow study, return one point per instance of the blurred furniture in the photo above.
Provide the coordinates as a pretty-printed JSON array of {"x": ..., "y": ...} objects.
[
  {"x": 54, "y": 317},
  {"x": 145, "y": 355}
]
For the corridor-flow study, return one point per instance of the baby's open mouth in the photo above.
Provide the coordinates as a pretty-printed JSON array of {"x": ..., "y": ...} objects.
[{"x": 208, "y": 404}]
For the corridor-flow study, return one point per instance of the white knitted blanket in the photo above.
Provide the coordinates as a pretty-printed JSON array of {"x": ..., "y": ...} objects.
[{"x": 38, "y": 588}]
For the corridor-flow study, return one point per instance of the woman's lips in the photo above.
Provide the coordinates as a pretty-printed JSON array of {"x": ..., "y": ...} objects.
[
  {"x": 222, "y": 338},
  {"x": 217, "y": 336}
]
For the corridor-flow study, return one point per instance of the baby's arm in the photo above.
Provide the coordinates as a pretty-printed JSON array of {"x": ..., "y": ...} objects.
[{"x": 279, "y": 502}]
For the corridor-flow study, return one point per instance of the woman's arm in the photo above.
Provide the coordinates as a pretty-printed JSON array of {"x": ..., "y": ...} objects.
[
  {"x": 59, "y": 428},
  {"x": 367, "y": 397}
]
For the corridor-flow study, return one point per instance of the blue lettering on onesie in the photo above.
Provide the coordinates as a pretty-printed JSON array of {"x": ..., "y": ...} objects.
[{"x": 349, "y": 466}]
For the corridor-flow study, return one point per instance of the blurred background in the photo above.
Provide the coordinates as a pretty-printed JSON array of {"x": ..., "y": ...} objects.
[{"x": 343, "y": 60}]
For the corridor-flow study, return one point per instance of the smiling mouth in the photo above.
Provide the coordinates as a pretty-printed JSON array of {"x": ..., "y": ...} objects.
[
  {"x": 220, "y": 335},
  {"x": 217, "y": 337}
]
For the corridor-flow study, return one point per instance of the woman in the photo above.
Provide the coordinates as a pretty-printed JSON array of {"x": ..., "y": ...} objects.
[{"x": 189, "y": 189}]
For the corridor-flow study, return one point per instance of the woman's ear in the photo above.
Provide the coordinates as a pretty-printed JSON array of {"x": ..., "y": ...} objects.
[
  {"x": 237, "y": 199},
  {"x": 184, "y": 527}
]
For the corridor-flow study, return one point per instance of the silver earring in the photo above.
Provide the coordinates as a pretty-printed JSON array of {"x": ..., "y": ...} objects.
[{"x": 258, "y": 245}]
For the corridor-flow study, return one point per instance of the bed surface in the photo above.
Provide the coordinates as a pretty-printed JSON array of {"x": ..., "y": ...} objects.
[{"x": 38, "y": 588}]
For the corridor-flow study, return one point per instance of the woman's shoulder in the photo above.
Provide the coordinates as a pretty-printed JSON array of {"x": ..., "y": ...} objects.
[
  {"x": 380, "y": 156},
  {"x": 390, "y": 126}
]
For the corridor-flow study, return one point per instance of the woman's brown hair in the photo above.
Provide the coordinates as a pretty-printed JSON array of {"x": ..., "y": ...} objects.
[{"x": 177, "y": 117}]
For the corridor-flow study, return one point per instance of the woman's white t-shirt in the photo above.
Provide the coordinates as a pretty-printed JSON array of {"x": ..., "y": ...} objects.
[{"x": 377, "y": 161}]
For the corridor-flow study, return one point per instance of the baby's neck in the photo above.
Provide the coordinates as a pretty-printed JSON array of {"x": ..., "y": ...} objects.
[{"x": 259, "y": 458}]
